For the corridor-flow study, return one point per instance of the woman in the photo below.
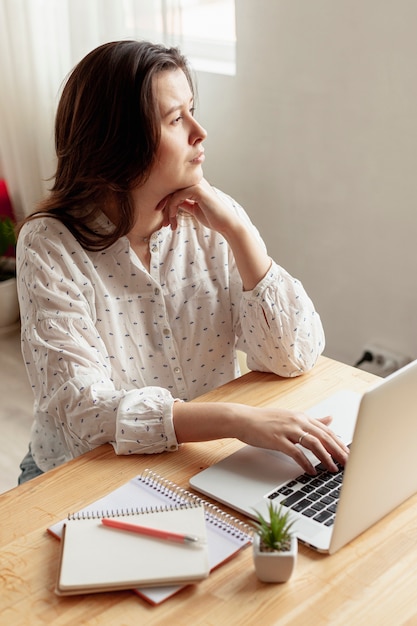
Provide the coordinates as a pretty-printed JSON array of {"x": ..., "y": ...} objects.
[{"x": 138, "y": 280}]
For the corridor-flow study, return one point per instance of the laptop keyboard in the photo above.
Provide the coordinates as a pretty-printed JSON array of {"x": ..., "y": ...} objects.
[{"x": 315, "y": 497}]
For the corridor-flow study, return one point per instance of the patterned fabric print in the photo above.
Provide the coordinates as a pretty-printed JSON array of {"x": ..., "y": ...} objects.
[{"x": 109, "y": 346}]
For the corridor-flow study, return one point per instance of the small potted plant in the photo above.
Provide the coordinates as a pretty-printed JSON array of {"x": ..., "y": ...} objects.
[
  {"x": 275, "y": 547},
  {"x": 9, "y": 307}
]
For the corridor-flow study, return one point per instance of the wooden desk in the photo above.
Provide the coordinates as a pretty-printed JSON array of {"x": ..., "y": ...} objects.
[{"x": 371, "y": 581}]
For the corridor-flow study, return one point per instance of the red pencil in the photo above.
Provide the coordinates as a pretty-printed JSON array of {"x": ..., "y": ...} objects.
[{"x": 152, "y": 532}]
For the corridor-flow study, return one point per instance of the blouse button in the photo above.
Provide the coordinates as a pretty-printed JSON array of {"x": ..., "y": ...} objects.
[
  {"x": 154, "y": 248},
  {"x": 156, "y": 291},
  {"x": 177, "y": 370},
  {"x": 166, "y": 332}
]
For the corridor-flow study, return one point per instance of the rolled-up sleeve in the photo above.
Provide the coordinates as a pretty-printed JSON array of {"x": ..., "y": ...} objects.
[
  {"x": 144, "y": 422},
  {"x": 281, "y": 330}
]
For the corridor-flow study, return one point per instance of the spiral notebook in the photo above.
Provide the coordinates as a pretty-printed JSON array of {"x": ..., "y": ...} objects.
[
  {"x": 97, "y": 557},
  {"x": 226, "y": 535}
]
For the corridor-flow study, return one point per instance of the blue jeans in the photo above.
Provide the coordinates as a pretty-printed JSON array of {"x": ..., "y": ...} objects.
[{"x": 29, "y": 468}]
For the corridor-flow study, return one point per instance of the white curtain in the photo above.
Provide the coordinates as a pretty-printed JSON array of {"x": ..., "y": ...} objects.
[{"x": 40, "y": 42}]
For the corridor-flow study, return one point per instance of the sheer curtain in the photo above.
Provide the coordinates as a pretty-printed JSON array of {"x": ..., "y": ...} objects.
[{"x": 40, "y": 41}]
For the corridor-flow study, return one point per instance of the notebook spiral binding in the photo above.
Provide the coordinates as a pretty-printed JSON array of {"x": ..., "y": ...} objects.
[
  {"x": 139, "y": 510},
  {"x": 181, "y": 497}
]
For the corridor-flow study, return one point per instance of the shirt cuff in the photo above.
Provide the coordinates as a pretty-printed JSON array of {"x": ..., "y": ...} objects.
[{"x": 145, "y": 422}]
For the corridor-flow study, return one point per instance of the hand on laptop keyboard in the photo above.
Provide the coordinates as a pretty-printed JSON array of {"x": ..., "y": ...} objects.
[{"x": 292, "y": 433}]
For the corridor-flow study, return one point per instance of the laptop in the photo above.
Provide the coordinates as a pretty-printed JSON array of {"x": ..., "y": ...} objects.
[{"x": 380, "y": 427}]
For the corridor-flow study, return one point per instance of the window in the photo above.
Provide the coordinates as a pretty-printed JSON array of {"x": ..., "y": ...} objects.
[{"x": 203, "y": 29}]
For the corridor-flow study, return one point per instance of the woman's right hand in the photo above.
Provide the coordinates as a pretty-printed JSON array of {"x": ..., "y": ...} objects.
[
  {"x": 284, "y": 430},
  {"x": 271, "y": 428}
]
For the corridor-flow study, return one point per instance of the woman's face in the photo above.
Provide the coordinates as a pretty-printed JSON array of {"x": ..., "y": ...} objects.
[{"x": 181, "y": 154}]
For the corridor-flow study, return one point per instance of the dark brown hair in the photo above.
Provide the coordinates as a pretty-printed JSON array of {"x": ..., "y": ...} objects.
[{"x": 107, "y": 132}]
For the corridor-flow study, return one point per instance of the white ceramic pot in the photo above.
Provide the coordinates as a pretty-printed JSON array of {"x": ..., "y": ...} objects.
[{"x": 274, "y": 567}]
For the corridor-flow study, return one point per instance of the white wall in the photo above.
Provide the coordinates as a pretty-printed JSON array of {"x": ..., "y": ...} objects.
[{"x": 317, "y": 138}]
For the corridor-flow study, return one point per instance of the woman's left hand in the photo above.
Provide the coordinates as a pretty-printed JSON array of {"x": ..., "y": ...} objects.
[{"x": 203, "y": 203}]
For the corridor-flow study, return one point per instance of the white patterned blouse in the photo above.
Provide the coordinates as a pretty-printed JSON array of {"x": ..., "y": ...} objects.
[{"x": 109, "y": 346}]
